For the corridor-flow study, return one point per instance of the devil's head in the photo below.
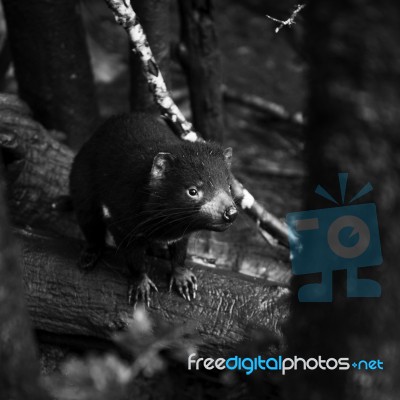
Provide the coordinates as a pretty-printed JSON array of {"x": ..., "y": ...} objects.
[{"x": 191, "y": 189}]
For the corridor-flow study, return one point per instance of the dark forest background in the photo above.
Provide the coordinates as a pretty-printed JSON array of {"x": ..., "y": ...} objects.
[{"x": 298, "y": 106}]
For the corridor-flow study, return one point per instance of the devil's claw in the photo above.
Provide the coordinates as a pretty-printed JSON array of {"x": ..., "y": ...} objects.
[
  {"x": 141, "y": 290},
  {"x": 185, "y": 282}
]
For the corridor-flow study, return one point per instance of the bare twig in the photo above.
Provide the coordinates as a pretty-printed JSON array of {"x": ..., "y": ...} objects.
[
  {"x": 258, "y": 103},
  {"x": 127, "y": 18},
  {"x": 181, "y": 53},
  {"x": 250, "y": 101},
  {"x": 290, "y": 21}
]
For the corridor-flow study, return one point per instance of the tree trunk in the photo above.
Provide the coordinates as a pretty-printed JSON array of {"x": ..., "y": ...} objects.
[
  {"x": 19, "y": 367},
  {"x": 52, "y": 65},
  {"x": 353, "y": 127},
  {"x": 62, "y": 299},
  {"x": 202, "y": 66},
  {"x": 155, "y": 18}
]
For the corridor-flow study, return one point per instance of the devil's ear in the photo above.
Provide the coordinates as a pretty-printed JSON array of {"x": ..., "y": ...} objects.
[
  {"x": 161, "y": 162},
  {"x": 228, "y": 156}
]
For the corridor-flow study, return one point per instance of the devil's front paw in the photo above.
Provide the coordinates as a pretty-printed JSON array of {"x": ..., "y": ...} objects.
[
  {"x": 185, "y": 282},
  {"x": 89, "y": 258},
  {"x": 140, "y": 290}
]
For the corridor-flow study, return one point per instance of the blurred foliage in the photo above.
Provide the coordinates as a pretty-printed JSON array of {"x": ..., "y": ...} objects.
[
  {"x": 153, "y": 364},
  {"x": 151, "y": 346},
  {"x": 95, "y": 377}
]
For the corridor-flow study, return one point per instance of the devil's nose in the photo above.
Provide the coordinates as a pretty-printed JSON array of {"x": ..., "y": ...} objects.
[{"x": 230, "y": 214}]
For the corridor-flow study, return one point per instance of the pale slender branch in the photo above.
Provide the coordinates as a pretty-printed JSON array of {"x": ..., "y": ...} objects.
[
  {"x": 288, "y": 22},
  {"x": 127, "y": 18}
]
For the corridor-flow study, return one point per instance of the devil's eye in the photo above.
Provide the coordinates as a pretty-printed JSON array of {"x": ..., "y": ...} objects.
[{"x": 192, "y": 192}]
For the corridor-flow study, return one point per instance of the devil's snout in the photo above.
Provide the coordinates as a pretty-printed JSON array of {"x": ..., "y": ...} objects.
[
  {"x": 220, "y": 211},
  {"x": 230, "y": 214}
]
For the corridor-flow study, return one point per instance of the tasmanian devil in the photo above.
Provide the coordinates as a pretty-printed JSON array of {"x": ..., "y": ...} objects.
[{"x": 135, "y": 179}]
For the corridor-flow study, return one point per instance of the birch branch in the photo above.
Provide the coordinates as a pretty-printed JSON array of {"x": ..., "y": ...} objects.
[{"x": 271, "y": 227}]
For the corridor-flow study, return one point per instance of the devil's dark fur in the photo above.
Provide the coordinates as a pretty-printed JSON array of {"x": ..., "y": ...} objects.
[{"x": 131, "y": 178}]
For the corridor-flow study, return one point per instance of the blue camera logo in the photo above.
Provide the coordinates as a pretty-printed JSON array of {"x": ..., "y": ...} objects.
[{"x": 338, "y": 238}]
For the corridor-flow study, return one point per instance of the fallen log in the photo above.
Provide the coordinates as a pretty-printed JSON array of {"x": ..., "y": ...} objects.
[
  {"x": 62, "y": 299},
  {"x": 37, "y": 167}
]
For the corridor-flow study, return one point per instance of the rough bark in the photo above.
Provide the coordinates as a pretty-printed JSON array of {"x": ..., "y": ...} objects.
[
  {"x": 19, "y": 367},
  {"x": 353, "y": 127},
  {"x": 62, "y": 299},
  {"x": 52, "y": 65},
  {"x": 155, "y": 18},
  {"x": 37, "y": 167},
  {"x": 202, "y": 66}
]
